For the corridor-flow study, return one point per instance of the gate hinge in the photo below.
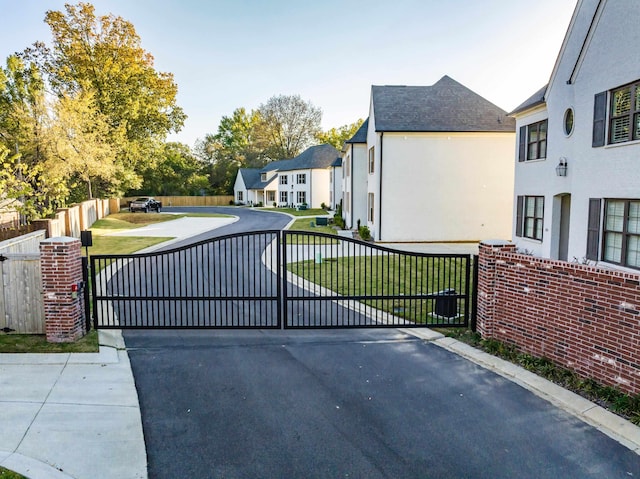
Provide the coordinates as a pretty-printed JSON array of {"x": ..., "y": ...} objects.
[{"x": 3, "y": 258}]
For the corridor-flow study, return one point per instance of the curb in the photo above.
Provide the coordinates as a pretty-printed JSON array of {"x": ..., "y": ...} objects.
[
  {"x": 614, "y": 426},
  {"x": 29, "y": 467}
]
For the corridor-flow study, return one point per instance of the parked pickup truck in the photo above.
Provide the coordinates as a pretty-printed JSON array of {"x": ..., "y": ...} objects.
[{"x": 145, "y": 204}]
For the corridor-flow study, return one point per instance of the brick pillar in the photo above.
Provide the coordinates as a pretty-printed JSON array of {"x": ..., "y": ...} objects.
[
  {"x": 61, "y": 265},
  {"x": 487, "y": 283}
]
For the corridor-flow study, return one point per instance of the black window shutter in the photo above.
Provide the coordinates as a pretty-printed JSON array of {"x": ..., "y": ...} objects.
[
  {"x": 519, "y": 218},
  {"x": 593, "y": 229},
  {"x": 599, "y": 119},
  {"x": 522, "y": 146}
]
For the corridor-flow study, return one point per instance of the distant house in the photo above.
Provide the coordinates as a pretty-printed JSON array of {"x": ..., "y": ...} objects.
[
  {"x": 305, "y": 179},
  {"x": 355, "y": 173},
  {"x": 577, "y": 178},
  {"x": 439, "y": 165}
]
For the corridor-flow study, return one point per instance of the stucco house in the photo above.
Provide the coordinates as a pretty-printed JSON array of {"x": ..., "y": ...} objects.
[
  {"x": 439, "y": 164},
  {"x": 335, "y": 183},
  {"x": 305, "y": 179},
  {"x": 355, "y": 170},
  {"x": 577, "y": 178}
]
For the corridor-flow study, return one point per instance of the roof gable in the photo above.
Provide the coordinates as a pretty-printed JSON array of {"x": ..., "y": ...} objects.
[
  {"x": 360, "y": 136},
  {"x": 320, "y": 156},
  {"x": 538, "y": 98},
  {"x": 445, "y": 106}
]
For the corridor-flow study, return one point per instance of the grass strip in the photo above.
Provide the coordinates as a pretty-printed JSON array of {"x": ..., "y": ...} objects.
[{"x": 37, "y": 343}]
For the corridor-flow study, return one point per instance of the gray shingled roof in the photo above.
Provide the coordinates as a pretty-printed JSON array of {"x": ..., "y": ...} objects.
[
  {"x": 445, "y": 106},
  {"x": 320, "y": 156},
  {"x": 250, "y": 176},
  {"x": 337, "y": 162},
  {"x": 534, "y": 100},
  {"x": 360, "y": 135}
]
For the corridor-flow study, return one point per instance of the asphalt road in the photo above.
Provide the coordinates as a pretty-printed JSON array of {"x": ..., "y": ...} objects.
[{"x": 346, "y": 404}]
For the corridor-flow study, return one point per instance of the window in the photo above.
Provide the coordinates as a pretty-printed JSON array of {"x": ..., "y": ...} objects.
[
  {"x": 347, "y": 203},
  {"x": 621, "y": 242},
  {"x": 623, "y": 115},
  {"x": 347, "y": 166},
  {"x": 533, "y": 141},
  {"x": 302, "y": 178},
  {"x": 302, "y": 197},
  {"x": 624, "y": 122},
  {"x": 283, "y": 197},
  {"x": 263, "y": 177},
  {"x": 568, "y": 121},
  {"x": 530, "y": 217},
  {"x": 240, "y": 196},
  {"x": 271, "y": 196},
  {"x": 370, "y": 207},
  {"x": 372, "y": 159},
  {"x": 283, "y": 179}
]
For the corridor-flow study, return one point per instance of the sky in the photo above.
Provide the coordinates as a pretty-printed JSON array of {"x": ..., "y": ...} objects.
[{"x": 226, "y": 54}]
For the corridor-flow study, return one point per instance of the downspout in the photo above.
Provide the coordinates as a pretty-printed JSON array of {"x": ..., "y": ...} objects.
[
  {"x": 310, "y": 188},
  {"x": 380, "y": 192}
]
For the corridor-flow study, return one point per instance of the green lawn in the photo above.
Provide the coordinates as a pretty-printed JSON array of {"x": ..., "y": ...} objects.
[
  {"x": 388, "y": 275},
  {"x": 7, "y": 474},
  {"x": 37, "y": 343}
]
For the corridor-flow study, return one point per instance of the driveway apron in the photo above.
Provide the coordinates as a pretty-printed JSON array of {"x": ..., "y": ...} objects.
[{"x": 369, "y": 403}]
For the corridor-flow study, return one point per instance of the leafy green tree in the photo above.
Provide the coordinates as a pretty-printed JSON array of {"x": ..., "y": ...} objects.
[
  {"x": 27, "y": 175},
  {"x": 102, "y": 56},
  {"x": 177, "y": 172},
  {"x": 288, "y": 125},
  {"x": 337, "y": 136},
  {"x": 79, "y": 142}
]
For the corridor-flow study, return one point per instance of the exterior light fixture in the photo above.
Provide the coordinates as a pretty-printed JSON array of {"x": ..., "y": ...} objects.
[{"x": 561, "y": 169}]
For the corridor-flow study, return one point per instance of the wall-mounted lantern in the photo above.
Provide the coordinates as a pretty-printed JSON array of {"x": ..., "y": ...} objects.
[{"x": 561, "y": 169}]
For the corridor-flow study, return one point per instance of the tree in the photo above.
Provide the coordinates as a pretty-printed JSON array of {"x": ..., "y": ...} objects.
[
  {"x": 102, "y": 57},
  {"x": 288, "y": 125},
  {"x": 177, "y": 171},
  {"x": 79, "y": 137},
  {"x": 337, "y": 136},
  {"x": 27, "y": 175}
]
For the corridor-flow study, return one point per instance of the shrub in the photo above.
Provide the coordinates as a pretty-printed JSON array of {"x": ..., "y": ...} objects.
[{"x": 364, "y": 232}]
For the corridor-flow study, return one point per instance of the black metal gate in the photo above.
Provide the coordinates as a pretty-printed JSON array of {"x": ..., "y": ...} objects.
[{"x": 281, "y": 279}]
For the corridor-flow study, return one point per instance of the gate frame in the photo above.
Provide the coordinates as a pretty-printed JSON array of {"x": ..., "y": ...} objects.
[{"x": 282, "y": 297}]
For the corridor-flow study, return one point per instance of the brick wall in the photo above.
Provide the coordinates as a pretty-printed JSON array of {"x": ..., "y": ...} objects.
[
  {"x": 61, "y": 266},
  {"x": 582, "y": 317}
]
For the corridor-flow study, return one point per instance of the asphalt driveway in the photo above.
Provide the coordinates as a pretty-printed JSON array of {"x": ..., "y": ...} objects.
[{"x": 357, "y": 403}]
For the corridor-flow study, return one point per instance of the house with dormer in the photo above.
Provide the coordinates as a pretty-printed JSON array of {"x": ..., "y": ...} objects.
[
  {"x": 577, "y": 177},
  {"x": 439, "y": 165},
  {"x": 305, "y": 179}
]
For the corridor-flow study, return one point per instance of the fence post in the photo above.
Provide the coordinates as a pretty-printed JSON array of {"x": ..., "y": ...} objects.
[
  {"x": 61, "y": 265},
  {"x": 487, "y": 259}
]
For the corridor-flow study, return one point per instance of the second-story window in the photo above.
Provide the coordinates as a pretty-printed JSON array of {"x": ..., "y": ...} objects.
[
  {"x": 283, "y": 179},
  {"x": 302, "y": 178},
  {"x": 533, "y": 141}
]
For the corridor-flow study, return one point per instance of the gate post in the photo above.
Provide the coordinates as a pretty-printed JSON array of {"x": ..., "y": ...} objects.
[
  {"x": 61, "y": 264},
  {"x": 487, "y": 259}
]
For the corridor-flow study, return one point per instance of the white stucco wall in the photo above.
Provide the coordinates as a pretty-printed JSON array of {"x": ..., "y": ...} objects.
[
  {"x": 320, "y": 187},
  {"x": 444, "y": 186},
  {"x": 356, "y": 185},
  {"x": 239, "y": 185},
  {"x": 609, "y": 61},
  {"x": 336, "y": 186}
]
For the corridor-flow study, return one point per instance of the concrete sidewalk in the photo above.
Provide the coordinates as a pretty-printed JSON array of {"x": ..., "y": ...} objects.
[{"x": 71, "y": 415}]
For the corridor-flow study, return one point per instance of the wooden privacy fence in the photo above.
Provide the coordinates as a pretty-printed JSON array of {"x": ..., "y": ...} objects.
[
  {"x": 186, "y": 200},
  {"x": 21, "y": 302}
]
